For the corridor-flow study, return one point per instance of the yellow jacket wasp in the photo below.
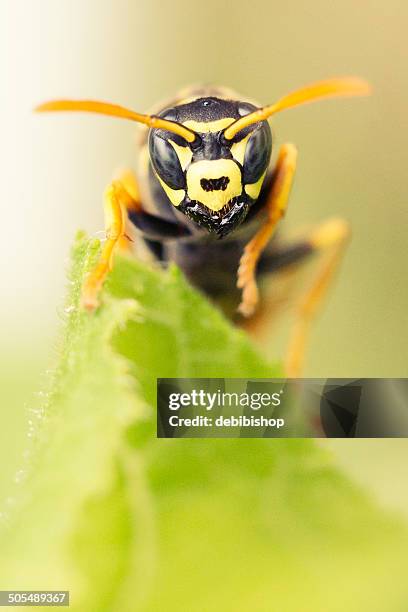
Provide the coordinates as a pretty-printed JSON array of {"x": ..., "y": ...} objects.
[{"x": 204, "y": 175}]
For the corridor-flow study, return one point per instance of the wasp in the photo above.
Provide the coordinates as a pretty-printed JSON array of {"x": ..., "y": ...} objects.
[{"x": 206, "y": 196}]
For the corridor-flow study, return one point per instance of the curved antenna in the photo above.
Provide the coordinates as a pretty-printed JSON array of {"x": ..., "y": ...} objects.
[
  {"x": 113, "y": 110},
  {"x": 330, "y": 88}
]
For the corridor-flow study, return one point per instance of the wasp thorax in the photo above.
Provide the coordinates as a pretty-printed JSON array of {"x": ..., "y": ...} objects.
[{"x": 214, "y": 182}]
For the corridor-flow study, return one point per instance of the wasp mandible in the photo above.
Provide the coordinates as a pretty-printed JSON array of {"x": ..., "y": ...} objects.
[{"x": 205, "y": 196}]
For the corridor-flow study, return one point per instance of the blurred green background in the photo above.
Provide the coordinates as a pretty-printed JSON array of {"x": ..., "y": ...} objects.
[{"x": 352, "y": 163}]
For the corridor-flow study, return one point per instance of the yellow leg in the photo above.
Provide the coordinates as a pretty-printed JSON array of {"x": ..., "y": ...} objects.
[
  {"x": 128, "y": 181},
  {"x": 331, "y": 238},
  {"x": 275, "y": 208},
  {"x": 121, "y": 195},
  {"x": 132, "y": 201}
]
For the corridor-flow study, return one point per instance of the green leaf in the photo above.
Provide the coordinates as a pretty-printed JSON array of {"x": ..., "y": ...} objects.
[{"x": 127, "y": 521}]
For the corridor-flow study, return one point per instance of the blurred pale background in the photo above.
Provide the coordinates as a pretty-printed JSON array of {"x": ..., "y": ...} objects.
[{"x": 352, "y": 163}]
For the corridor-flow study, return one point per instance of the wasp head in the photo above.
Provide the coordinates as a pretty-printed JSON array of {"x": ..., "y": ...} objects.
[{"x": 213, "y": 180}]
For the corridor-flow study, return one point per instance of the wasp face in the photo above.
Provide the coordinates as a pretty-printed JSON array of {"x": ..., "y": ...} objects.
[{"x": 214, "y": 181}]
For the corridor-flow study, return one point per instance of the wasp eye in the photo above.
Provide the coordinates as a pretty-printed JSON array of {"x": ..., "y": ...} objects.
[
  {"x": 166, "y": 162},
  {"x": 257, "y": 155}
]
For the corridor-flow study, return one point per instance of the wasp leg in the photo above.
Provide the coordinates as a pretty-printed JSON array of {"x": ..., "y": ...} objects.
[
  {"x": 131, "y": 203},
  {"x": 330, "y": 239},
  {"x": 120, "y": 196},
  {"x": 275, "y": 206},
  {"x": 281, "y": 267},
  {"x": 123, "y": 206}
]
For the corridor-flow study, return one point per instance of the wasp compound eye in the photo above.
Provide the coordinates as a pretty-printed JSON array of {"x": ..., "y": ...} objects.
[
  {"x": 257, "y": 154},
  {"x": 166, "y": 162}
]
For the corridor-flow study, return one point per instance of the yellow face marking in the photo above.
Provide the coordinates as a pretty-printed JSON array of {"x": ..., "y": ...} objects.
[
  {"x": 214, "y": 169},
  {"x": 184, "y": 154},
  {"x": 238, "y": 149},
  {"x": 253, "y": 189},
  {"x": 209, "y": 126},
  {"x": 175, "y": 196}
]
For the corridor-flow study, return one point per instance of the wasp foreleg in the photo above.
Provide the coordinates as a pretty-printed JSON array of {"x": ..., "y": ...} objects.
[
  {"x": 120, "y": 196},
  {"x": 275, "y": 206}
]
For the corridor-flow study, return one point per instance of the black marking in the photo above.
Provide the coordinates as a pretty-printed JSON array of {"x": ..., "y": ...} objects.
[
  {"x": 284, "y": 256},
  {"x": 218, "y": 184},
  {"x": 155, "y": 247},
  {"x": 206, "y": 110},
  {"x": 211, "y": 147},
  {"x": 220, "y": 222},
  {"x": 156, "y": 228}
]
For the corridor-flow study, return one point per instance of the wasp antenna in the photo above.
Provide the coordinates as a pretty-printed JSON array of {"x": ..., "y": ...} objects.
[
  {"x": 330, "y": 88},
  {"x": 113, "y": 110}
]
